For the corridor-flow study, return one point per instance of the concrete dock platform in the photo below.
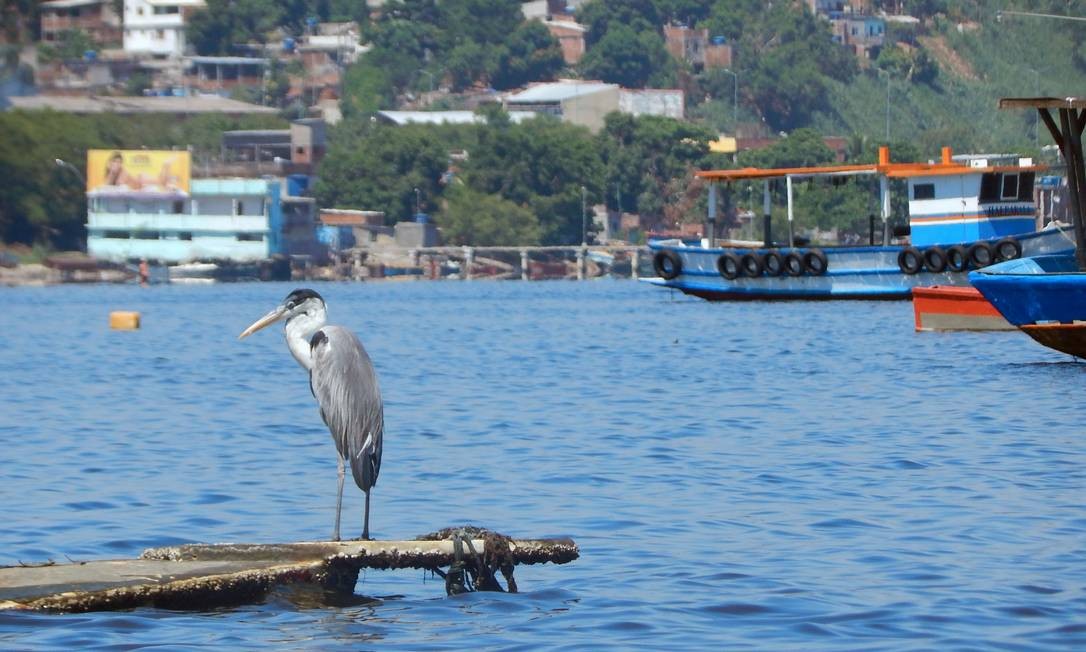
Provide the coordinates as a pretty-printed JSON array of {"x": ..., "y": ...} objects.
[{"x": 201, "y": 576}]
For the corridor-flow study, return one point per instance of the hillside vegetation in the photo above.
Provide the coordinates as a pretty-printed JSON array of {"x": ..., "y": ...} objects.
[{"x": 934, "y": 84}]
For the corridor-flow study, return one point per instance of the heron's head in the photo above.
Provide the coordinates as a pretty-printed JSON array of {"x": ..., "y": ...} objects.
[{"x": 303, "y": 304}]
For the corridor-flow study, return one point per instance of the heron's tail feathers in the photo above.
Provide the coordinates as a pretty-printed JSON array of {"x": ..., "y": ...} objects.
[{"x": 365, "y": 467}]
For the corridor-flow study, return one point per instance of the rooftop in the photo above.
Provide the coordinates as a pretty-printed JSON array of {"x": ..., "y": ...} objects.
[
  {"x": 131, "y": 105},
  {"x": 445, "y": 117},
  {"x": 66, "y": 4},
  {"x": 558, "y": 91}
]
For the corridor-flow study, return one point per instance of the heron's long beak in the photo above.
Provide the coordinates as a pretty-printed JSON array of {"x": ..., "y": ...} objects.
[{"x": 265, "y": 321}]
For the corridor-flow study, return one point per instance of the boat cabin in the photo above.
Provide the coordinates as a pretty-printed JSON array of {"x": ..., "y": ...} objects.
[
  {"x": 953, "y": 200},
  {"x": 982, "y": 201}
]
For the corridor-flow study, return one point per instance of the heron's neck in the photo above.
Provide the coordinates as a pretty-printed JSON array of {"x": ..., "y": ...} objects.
[{"x": 299, "y": 329}]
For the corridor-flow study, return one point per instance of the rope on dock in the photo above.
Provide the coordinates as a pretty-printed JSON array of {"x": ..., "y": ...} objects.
[{"x": 475, "y": 572}]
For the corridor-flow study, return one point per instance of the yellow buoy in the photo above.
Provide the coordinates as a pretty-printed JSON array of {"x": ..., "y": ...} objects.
[{"x": 124, "y": 320}]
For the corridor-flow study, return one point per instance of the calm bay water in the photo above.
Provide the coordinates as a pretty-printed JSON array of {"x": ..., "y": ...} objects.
[{"x": 770, "y": 476}]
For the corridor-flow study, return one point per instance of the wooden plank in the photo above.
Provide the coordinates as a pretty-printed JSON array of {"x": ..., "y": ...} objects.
[
  {"x": 1042, "y": 103},
  {"x": 199, "y": 576}
]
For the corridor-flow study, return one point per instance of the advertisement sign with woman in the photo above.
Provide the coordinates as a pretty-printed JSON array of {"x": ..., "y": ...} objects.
[{"x": 119, "y": 171}]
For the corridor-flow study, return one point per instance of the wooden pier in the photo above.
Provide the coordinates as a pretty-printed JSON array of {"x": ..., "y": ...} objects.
[
  {"x": 201, "y": 576},
  {"x": 471, "y": 257}
]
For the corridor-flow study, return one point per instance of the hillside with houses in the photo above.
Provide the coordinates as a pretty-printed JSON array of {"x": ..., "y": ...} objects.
[{"x": 636, "y": 94}]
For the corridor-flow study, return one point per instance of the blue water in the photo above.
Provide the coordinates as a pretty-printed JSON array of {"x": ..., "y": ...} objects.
[{"x": 768, "y": 476}]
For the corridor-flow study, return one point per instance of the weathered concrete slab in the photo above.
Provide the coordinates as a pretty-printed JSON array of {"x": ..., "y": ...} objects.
[{"x": 199, "y": 576}]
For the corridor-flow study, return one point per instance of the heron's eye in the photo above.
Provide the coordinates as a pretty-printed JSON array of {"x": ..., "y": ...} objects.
[{"x": 290, "y": 305}]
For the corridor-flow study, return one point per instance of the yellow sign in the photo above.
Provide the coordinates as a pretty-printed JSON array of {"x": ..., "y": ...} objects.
[{"x": 125, "y": 171}]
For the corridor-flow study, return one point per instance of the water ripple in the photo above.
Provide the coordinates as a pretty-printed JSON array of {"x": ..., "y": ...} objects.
[{"x": 738, "y": 476}]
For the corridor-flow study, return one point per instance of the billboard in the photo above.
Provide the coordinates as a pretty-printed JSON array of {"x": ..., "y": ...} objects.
[{"x": 127, "y": 171}]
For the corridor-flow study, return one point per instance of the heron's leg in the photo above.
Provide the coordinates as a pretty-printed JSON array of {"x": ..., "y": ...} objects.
[
  {"x": 339, "y": 498},
  {"x": 366, "y": 519}
]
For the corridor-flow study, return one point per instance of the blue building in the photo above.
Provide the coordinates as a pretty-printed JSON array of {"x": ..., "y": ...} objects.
[{"x": 240, "y": 220}]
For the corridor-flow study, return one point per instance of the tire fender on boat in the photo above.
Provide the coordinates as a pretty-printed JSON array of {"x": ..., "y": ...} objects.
[
  {"x": 667, "y": 264},
  {"x": 957, "y": 258},
  {"x": 815, "y": 262},
  {"x": 729, "y": 265},
  {"x": 935, "y": 259},
  {"x": 752, "y": 265},
  {"x": 909, "y": 260},
  {"x": 981, "y": 254},
  {"x": 793, "y": 263},
  {"x": 1007, "y": 249},
  {"x": 773, "y": 262}
]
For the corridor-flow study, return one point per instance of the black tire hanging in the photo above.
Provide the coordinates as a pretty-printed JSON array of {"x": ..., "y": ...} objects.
[
  {"x": 1007, "y": 249},
  {"x": 935, "y": 259},
  {"x": 752, "y": 265},
  {"x": 981, "y": 254},
  {"x": 957, "y": 258},
  {"x": 729, "y": 266},
  {"x": 793, "y": 263},
  {"x": 773, "y": 262},
  {"x": 815, "y": 262},
  {"x": 910, "y": 260},
  {"x": 667, "y": 264}
]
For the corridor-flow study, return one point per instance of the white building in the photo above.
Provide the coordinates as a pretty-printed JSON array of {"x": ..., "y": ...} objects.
[{"x": 157, "y": 27}]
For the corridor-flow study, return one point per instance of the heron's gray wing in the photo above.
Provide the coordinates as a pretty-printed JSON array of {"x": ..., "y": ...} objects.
[{"x": 345, "y": 385}]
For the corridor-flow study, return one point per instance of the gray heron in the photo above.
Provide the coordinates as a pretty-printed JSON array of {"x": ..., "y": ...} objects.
[{"x": 342, "y": 380}]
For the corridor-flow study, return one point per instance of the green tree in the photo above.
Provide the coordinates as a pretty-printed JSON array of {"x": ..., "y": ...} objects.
[
  {"x": 541, "y": 163},
  {"x": 468, "y": 63},
  {"x": 645, "y": 157},
  {"x": 366, "y": 88},
  {"x": 530, "y": 54},
  {"x": 378, "y": 167},
  {"x": 802, "y": 148},
  {"x": 70, "y": 44},
  {"x": 222, "y": 24},
  {"x": 629, "y": 58},
  {"x": 599, "y": 16},
  {"x": 475, "y": 218}
]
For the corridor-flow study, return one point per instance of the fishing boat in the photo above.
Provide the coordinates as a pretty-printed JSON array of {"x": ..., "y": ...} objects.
[
  {"x": 1045, "y": 296},
  {"x": 964, "y": 213}
]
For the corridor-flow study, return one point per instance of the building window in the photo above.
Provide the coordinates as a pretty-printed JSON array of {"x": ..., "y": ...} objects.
[
  {"x": 924, "y": 191},
  {"x": 250, "y": 237}
]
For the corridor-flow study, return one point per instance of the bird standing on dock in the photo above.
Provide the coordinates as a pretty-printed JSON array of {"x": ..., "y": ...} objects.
[{"x": 342, "y": 379}]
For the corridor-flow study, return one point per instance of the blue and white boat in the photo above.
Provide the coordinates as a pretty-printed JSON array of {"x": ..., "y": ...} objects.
[{"x": 964, "y": 213}]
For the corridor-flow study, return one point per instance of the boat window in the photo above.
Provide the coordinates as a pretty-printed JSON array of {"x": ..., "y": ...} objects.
[
  {"x": 145, "y": 235},
  {"x": 250, "y": 237},
  {"x": 989, "y": 187},
  {"x": 117, "y": 235},
  {"x": 924, "y": 191},
  {"x": 1010, "y": 186},
  {"x": 1025, "y": 186},
  {"x": 184, "y": 235}
]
